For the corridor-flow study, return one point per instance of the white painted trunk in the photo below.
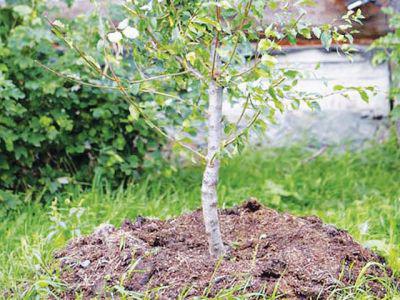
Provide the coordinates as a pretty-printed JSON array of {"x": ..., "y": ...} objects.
[{"x": 209, "y": 197}]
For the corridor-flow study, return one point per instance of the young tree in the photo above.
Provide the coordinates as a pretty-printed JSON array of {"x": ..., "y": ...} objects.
[
  {"x": 190, "y": 56},
  {"x": 387, "y": 49}
]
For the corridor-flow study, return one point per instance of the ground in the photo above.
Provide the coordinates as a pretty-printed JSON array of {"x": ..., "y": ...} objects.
[
  {"x": 267, "y": 252},
  {"x": 357, "y": 192}
]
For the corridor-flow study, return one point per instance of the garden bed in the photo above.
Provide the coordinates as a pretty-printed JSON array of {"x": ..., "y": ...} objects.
[{"x": 269, "y": 252}]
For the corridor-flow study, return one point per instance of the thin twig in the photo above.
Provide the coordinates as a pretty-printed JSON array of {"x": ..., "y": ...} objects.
[
  {"x": 162, "y": 94},
  {"x": 125, "y": 94},
  {"x": 214, "y": 47},
  {"x": 184, "y": 63},
  {"x": 74, "y": 79},
  {"x": 246, "y": 104},
  {"x": 320, "y": 151},
  {"x": 82, "y": 55},
  {"x": 158, "y": 77},
  {"x": 149, "y": 121},
  {"x": 256, "y": 61},
  {"x": 138, "y": 68},
  {"x": 188, "y": 66},
  {"x": 253, "y": 120},
  {"x": 247, "y": 9},
  {"x": 247, "y": 71}
]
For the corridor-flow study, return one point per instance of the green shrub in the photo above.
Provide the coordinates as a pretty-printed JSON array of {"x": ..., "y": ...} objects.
[{"x": 52, "y": 130}]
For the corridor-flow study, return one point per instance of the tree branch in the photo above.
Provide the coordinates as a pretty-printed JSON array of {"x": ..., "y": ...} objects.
[
  {"x": 162, "y": 94},
  {"x": 247, "y": 9},
  {"x": 75, "y": 79},
  {"x": 158, "y": 77},
  {"x": 149, "y": 121},
  {"x": 185, "y": 64},
  {"x": 231, "y": 140},
  {"x": 253, "y": 120},
  {"x": 214, "y": 48}
]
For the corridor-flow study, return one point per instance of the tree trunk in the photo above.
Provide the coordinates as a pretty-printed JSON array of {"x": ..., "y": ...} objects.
[{"x": 209, "y": 197}]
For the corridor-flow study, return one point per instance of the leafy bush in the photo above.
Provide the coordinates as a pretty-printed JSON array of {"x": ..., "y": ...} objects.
[{"x": 54, "y": 130}]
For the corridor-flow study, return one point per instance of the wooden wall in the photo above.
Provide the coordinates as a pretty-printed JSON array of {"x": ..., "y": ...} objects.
[{"x": 330, "y": 11}]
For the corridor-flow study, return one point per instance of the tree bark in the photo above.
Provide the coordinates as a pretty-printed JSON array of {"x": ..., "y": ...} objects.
[{"x": 209, "y": 197}]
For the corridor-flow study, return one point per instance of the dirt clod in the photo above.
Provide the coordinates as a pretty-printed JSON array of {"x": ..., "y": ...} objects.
[
  {"x": 252, "y": 205},
  {"x": 303, "y": 257}
]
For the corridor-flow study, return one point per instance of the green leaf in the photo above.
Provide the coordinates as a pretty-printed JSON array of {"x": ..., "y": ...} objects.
[
  {"x": 113, "y": 158},
  {"x": 22, "y": 10},
  {"x": 98, "y": 112},
  {"x": 314, "y": 105},
  {"x": 272, "y": 93},
  {"x": 269, "y": 31},
  {"x": 208, "y": 21},
  {"x": 326, "y": 39},
  {"x": 264, "y": 45},
  {"x": 9, "y": 199},
  {"x": 306, "y": 32},
  {"x": 133, "y": 113},
  {"x": 338, "y": 87},
  {"x": 268, "y": 60},
  {"x": 363, "y": 94},
  {"x": 273, "y": 4},
  {"x": 305, "y": 3},
  {"x": 134, "y": 89},
  {"x": 65, "y": 123},
  {"x": 291, "y": 73},
  {"x": 191, "y": 57},
  {"x": 45, "y": 121}
]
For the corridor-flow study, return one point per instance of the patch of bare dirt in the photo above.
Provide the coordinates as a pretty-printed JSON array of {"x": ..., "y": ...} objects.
[{"x": 302, "y": 256}]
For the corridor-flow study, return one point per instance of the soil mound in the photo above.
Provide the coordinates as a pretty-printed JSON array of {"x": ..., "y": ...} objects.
[{"x": 301, "y": 258}]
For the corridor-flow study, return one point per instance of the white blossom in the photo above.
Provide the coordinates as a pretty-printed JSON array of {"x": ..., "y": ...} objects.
[
  {"x": 123, "y": 24},
  {"x": 147, "y": 6},
  {"x": 130, "y": 32},
  {"x": 114, "y": 37},
  {"x": 59, "y": 24}
]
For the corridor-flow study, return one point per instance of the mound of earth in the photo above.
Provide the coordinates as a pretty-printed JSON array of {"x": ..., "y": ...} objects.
[{"x": 300, "y": 257}]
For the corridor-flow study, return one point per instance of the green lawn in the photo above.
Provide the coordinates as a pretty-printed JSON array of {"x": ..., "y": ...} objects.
[{"x": 355, "y": 191}]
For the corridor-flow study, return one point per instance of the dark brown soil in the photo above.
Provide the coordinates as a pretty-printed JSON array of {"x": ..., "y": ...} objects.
[{"x": 302, "y": 256}]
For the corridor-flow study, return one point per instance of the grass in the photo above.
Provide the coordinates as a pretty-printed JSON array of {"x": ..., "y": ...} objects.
[{"x": 358, "y": 192}]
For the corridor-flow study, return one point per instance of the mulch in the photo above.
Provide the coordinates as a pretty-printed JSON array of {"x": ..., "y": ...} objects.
[{"x": 298, "y": 257}]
